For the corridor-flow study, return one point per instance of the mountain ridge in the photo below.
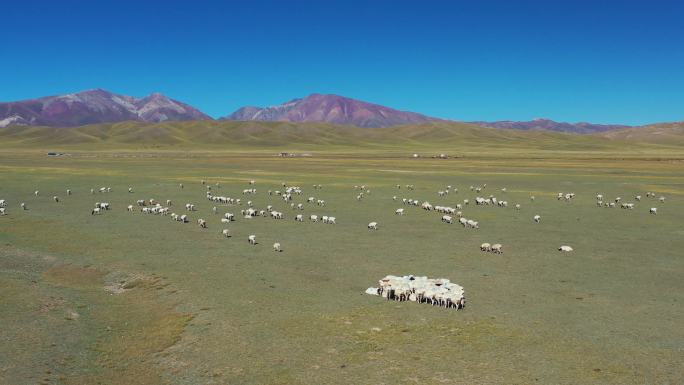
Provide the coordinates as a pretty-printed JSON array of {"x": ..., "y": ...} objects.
[
  {"x": 551, "y": 125},
  {"x": 330, "y": 108},
  {"x": 95, "y": 106}
]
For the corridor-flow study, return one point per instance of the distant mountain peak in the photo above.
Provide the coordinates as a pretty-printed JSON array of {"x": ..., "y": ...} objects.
[
  {"x": 330, "y": 108},
  {"x": 96, "y": 106},
  {"x": 551, "y": 125}
]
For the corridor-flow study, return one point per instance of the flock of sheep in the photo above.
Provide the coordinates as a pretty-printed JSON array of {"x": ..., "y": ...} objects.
[
  {"x": 433, "y": 291},
  {"x": 437, "y": 292}
]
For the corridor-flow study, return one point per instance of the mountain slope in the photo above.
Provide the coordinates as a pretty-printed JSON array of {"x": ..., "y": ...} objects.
[
  {"x": 428, "y": 139},
  {"x": 664, "y": 133},
  {"x": 331, "y": 109},
  {"x": 550, "y": 125},
  {"x": 95, "y": 106}
]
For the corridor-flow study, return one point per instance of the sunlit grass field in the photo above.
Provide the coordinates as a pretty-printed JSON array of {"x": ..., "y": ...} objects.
[{"x": 129, "y": 298}]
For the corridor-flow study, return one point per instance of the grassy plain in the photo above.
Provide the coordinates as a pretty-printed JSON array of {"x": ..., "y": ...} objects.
[{"x": 127, "y": 298}]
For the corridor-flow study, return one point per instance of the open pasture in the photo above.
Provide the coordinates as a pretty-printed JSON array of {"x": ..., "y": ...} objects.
[{"x": 154, "y": 300}]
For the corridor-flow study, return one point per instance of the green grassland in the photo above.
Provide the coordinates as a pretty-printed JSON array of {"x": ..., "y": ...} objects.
[{"x": 128, "y": 298}]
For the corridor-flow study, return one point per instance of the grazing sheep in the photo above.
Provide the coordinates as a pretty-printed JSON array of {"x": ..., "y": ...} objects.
[
  {"x": 68, "y": 192},
  {"x": 662, "y": 199},
  {"x": 252, "y": 239},
  {"x": 399, "y": 212},
  {"x": 436, "y": 292},
  {"x": 35, "y": 193},
  {"x": 2, "y": 211},
  {"x": 496, "y": 248},
  {"x": 55, "y": 198},
  {"x": 3, "y": 203},
  {"x": 299, "y": 218},
  {"x": 130, "y": 207},
  {"x": 226, "y": 233},
  {"x": 517, "y": 206},
  {"x": 313, "y": 218},
  {"x": 565, "y": 249},
  {"x": 486, "y": 247},
  {"x": 537, "y": 218},
  {"x": 23, "y": 206},
  {"x": 276, "y": 247},
  {"x": 653, "y": 210},
  {"x": 373, "y": 226},
  {"x": 331, "y": 221},
  {"x": 447, "y": 219},
  {"x": 224, "y": 220},
  {"x": 183, "y": 218},
  {"x": 532, "y": 198},
  {"x": 202, "y": 223},
  {"x": 96, "y": 210}
]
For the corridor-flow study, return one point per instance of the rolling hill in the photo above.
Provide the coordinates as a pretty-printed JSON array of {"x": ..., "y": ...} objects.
[
  {"x": 665, "y": 133},
  {"x": 427, "y": 139}
]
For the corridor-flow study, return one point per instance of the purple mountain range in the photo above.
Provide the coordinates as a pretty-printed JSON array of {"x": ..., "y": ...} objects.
[
  {"x": 100, "y": 106},
  {"x": 332, "y": 109},
  {"x": 95, "y": 106},
  {"x": 550, "y": 125}
]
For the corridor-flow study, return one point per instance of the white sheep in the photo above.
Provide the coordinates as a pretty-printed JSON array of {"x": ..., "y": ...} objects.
[
  {"x": 537, "y": 218},
  {"x": 276, "y": 247},
  {"x": 299, "y": 218},
  {"x": 130, "y": 207},
  {"x": 202, "y": 223},
  {"x": 653, "y": 210},
  {"x": 373, "y": 226},
  {"x": 252, "y": 239},
  {"x": 399, "y": 212},
  {"x": 2, "y": 211},
  {"x": 486, "y": 247},
  {"x": 497, "y": 248},
  {"x": 226, "y": 233},
  {"x": 565, "y": 249}
]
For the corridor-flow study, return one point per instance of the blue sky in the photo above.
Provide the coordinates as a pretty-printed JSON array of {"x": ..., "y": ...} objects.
[{"x": 598, "y": 61}]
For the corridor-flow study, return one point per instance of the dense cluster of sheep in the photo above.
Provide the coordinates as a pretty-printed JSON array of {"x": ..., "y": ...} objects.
[{"x": 433, "y": 291}]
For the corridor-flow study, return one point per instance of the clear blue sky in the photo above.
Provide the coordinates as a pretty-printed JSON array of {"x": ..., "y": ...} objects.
[{"x": 573, "y": 60}]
